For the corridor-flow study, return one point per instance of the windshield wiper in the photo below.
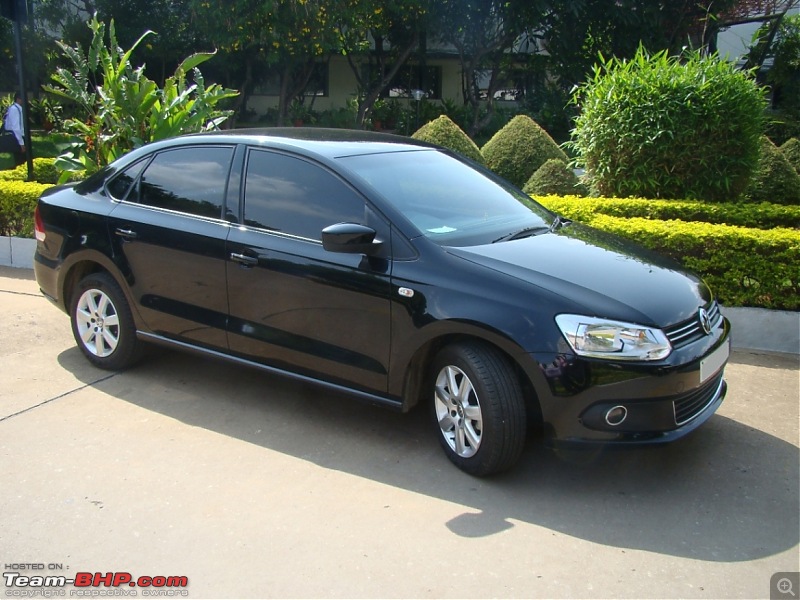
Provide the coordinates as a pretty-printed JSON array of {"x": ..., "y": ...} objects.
[
  {"x": 526, "y": 232},
  {"x": 558, "y": 223}
]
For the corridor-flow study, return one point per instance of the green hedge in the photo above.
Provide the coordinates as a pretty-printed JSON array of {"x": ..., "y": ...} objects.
[
  {"x": 44, "y": 171},
  {"x": 17, "y": 202},
  {"x": 760, "y": 216},
  {"x": 744, "y": 266}
]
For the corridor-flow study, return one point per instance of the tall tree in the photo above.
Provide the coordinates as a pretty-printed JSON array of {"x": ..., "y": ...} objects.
[
  {"x": 485, "y": 33},
  {"x": 378, "y": 37},
  {"x": 286, "y": 35},
  {"x": 579, "y": 31}
]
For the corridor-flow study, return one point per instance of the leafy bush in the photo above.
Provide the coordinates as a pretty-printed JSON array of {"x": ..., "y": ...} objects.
[
  {"x": 791, "y": 150},
  {"x": 17, "y": 203},
  {"x": 518, "y": 150},
  {"x": 553, "y": 177},
  {"x": 759, "y": 216},
  {"x": 664, "y": 127},
  {"x": 121, "y": 108},
  {"x": 775, "y": 180},
  {"x": 443, "y": 131},
  {"x": 44, "y": 171},
  {"x": 46, "y": 113},
  {"x": 781, "y": 127}
]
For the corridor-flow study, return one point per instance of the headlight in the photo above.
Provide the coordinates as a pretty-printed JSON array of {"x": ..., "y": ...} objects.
[{"x": 604, "y": 338}]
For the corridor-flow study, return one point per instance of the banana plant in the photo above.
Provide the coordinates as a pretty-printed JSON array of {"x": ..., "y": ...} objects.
[{"x": 121, "y": 108}]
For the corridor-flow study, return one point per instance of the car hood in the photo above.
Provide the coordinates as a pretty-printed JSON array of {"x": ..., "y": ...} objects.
[{"x": 598, "y": 274}]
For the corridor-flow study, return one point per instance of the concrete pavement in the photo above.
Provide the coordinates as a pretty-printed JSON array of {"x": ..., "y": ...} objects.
[{"x": 254, "y": 486}]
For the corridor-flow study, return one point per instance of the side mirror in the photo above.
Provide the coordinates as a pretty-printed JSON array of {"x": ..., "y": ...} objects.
[{"x": 350, "y": 238}]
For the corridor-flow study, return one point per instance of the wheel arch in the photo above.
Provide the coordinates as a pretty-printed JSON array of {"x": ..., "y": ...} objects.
[
  {"x": 418, "y": 369},
  {"x": 85, "y": 263}
]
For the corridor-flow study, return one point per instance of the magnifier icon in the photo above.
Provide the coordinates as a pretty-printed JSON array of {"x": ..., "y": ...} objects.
[{"x": 785, "y": 587}]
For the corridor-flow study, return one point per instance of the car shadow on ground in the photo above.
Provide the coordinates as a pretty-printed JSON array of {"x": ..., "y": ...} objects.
[{"x": 728, "y": 492}]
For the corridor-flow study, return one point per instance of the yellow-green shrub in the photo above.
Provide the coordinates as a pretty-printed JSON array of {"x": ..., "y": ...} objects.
[
  {"x": 17, "y": 203},
  {"x": 744, "y": 266},
  {"x": 764, "y": 215},
  {"x": 44, "y": 171}
]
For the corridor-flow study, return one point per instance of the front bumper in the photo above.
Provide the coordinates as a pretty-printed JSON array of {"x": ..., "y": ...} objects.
[
  {"x": 595, "y": 401},
  {"x": 646, "y": 418}
]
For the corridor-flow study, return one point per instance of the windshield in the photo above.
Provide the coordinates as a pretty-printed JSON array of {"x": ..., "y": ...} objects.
[{"x": 446, "y": 199}]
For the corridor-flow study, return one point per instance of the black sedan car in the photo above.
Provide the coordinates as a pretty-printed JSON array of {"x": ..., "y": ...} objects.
[{"x": 391, "y": 269}]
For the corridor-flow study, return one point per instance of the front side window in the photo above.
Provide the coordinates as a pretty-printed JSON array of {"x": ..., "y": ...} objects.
[
  {"x": 296, "y": 197},
  {"x": 187, "y": 180}
]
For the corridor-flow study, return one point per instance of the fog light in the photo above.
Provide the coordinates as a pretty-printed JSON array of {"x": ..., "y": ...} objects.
[{"x": 616, "y": 415}]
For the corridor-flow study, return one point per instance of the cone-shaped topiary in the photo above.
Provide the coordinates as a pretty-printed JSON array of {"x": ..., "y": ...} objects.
[
  {"x": 554, "y": 178},
  {"x": 775, "y": 179},
  {"x": 518, "y": 150},
  {"x": 791, "y": 150},
  {"x": 444, "y": 132}
]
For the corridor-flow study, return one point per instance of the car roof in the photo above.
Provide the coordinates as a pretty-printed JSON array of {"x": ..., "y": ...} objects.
[{"x": 330, "y": 143}]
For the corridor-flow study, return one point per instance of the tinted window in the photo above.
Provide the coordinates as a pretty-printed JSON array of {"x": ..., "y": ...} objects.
[
  {"x": 121, "y": 184},
  {"x": 293, "y": 196},
  {"x": 189, "y": 180}
]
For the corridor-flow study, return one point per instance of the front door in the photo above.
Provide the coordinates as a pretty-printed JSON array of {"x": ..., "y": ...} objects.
[{"x": 293, "y": 304}]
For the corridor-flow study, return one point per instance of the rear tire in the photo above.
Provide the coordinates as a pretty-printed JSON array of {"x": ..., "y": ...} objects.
[
  {"x": 102, "y": 323},
  {"x": 478, "y": 408}
]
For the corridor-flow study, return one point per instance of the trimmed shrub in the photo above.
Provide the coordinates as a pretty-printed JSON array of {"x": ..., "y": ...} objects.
[
  {"x": 444, "y": 132},
  {"x": 553, "y": 177},
  {"x": 518, "y": 150},
  {"x": 664, "y": 127},
  {"x": 744, "y": 267},
  {"x": 17, "y": 203},
  {"x": 775, "y": 180},
  {"x": 44, "y": 171},
  {"x": 791, "y": 150},
  {"x": 758, "y": 216}
]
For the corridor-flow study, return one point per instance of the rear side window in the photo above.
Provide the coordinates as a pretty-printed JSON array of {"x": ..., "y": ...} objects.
[
  {"x": 121, "y": 184},
  {"x": 188, "y": 180},
  {"x": 290, "y": 195}
]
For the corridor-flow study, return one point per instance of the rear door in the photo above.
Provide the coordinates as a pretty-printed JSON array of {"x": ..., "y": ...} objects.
[
  {"x": 293, "y": 304},
  {"x": 169, "y": 227}
]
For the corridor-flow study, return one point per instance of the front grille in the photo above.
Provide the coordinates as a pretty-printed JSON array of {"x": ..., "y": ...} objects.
[
  {"x": 692, "y": 404},
  {"x": 691, "y": 330}
]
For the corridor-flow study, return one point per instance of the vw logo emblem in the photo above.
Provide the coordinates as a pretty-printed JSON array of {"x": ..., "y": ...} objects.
[{"x": 705, "y": 320}]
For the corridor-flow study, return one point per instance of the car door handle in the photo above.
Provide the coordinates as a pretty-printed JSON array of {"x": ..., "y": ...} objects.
[
  {"x": 126, "y": 233},
  {"x": 247, "y": 261}
]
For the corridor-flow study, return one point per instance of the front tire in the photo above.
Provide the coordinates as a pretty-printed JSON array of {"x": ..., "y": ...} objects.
[
  {"x": 102, "y": 323},
  {"x": 478, "y": 408}
]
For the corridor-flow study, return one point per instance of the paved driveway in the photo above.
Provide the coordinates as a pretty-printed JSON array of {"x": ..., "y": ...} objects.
[{"x": 253, "y": 486}]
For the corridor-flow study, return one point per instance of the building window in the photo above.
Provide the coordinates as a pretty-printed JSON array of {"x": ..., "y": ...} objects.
[
  {"x": 414, "y": 77},
  {"x": 318, "y": 83}
]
